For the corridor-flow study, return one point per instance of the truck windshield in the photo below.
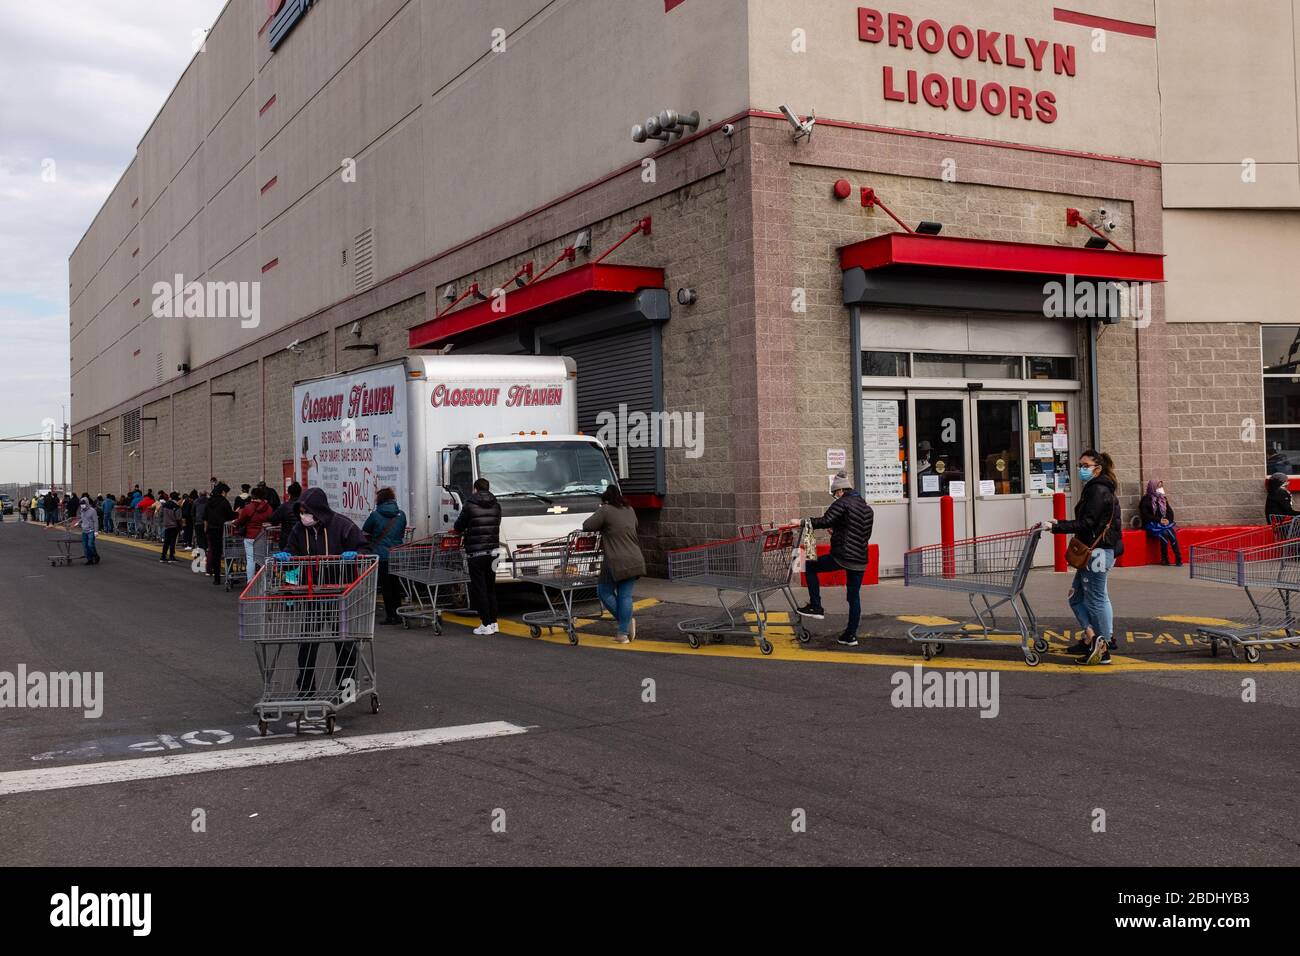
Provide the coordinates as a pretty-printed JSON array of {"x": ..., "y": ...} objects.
[{"x": 552, "y": 469}]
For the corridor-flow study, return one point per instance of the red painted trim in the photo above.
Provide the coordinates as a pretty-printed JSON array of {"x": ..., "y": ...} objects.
[
  {"x": 646, "y": 502},
  {"x": 135, "y": 202},
  {"x": 561, "y": 287},
  {"x": 670, "y": 4},
  {"x": 135, "y": 353},
  {"x": 1106, "y": 23},
  {"x": 262, "y": 28},
  {"x": 267, "y": 105},
  {"x": 136, "y": 252},
  {"x": 987, "y": 255},
  {"x": 270, "y": 265},
  {"x": 270, "y": 182},
  {"x": 135, "y": 303},
  {"x": 974, "y": 141}
]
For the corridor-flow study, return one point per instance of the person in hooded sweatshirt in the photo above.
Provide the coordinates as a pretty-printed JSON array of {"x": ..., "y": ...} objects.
[
  {"x": 479, "y": 522},
  {"x": 248, "y": 523},
  {"x": 384, "y": 529},
  {"x": 322, "y": 532},
  {"x": 1278, "y": 503},
  {"x": 1096, "y": 523},
  {"x": 89, "y": 525},
  {"x": 169, "y": 519}
]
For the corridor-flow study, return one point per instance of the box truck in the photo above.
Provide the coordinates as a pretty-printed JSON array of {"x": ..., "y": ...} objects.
[{"x": 428, "y": 426}]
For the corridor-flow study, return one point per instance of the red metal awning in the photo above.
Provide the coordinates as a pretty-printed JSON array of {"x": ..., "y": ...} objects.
[
  {"x": 900, "y": 249},
  {"x": 579, "y": 289}
]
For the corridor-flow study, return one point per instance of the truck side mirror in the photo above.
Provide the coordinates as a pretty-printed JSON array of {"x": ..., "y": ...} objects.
[{"x": 444, "y": 469}]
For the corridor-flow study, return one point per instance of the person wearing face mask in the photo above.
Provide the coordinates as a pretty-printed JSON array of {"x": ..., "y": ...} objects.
[
  {"x": 1278, "y": 502},
  {"x": 1096, "y": 523},
  {"x": 849, "y": 519},
  {"x": 1158, "y": 520}
]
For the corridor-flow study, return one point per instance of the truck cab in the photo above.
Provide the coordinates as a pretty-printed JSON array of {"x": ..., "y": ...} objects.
[{"x": 547, "y": 485}]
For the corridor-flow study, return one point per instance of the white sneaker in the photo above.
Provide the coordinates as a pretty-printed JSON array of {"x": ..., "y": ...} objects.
[
  {"x": 483, "y": 629},
  {"x": 493, "y": 628}
]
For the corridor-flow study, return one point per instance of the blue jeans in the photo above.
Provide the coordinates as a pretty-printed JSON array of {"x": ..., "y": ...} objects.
[
  {"x": 617, "y": 598},
  {"x": 852, "y": 588},
  {"x": 1088, "y": 598},
  {"x": 88, "y": 546}
]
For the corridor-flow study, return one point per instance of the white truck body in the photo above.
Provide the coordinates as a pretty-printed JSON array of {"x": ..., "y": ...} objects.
[{"x": 429, "y": 425}]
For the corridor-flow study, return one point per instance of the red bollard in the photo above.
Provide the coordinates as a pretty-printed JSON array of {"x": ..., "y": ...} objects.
[
  {"x": 1060, "y": 544},
  {"x": 947, "y": 536}
]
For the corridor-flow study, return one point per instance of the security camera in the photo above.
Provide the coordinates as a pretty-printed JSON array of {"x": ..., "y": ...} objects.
[
  {"x": 183, "y": 367},
  {"x": 686, "y": 297},
  {"x": 583, "y": 242},
  {"x": 728, "y": 129},
  {"x": 802, "y": 128},
  {"x": 294, "y": 347},
  {"x": 1109, "y": 225},
  {"x": 356, "y": 329},
  {"x": 449, "y": 293}
]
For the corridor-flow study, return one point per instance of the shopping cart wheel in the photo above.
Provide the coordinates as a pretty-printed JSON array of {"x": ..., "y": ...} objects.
[
  {"x": 805, "y": 635},
  {"x": 1252, "y": 655},
  {"x": 765, "y": 646},
  {"x": 261, "y": 727},
  {"x": 329, "y": 723},
  {"x": 938, "y": 649},
  {"x": 693, "y": 640},
  {"x": 1214, "y": 648},
  {"x": 573, "y": 636},
  {"x": 374, "y": 703},
  {"x": 1040, "y": 645},
  {"x": 406, "y": 623},
  {"x": 534, "y": 630},
  {"x": 1031, "y": 657},
  {"x": 925, "y": 651},
  {"x": 437, "y": 626}
]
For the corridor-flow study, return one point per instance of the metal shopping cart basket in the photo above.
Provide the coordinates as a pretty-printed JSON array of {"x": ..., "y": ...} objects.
[
  {"x": 1266, "y": 566},
  {"x": 561, "y": 568},
  {"x": 433, "y": 572},
  {"x": 312, "y": 624},
  {"x": 67, "y": 538},
  {"x": 121, "y": 519},
  {"x": 993, "y": 568},
  {"x": 755, "y": 564},
  {"x": 233, "y": 557}
]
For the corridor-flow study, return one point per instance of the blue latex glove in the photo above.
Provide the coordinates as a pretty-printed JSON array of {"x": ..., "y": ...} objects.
[
  {"x": 348, "y": 555},
  {"x": 283, "y": 556}
]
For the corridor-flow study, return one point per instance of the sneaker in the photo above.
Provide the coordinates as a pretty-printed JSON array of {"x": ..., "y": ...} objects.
[
  {"x": 1105, "y": 656},
  {"x": 1099, "y": 649},
  {"x": 622, "y": 639},
  {"x": 814, "y": 612},
  {"x": 1079, "y": 647},
  {"x": 493, "y": 628},
  {"x": 847, "y": 640},
  {"x": 482, "y": 629},
  {"x": 1112, "y": 644},
  {"x": 631, "y": 631}
]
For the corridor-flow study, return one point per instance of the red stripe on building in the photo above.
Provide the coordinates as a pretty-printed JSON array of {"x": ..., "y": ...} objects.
[
  {"x": 262, "y": 28},
  {"x": 1106, "y": 23},
  {"x": 136, "y": 253},
  {"x": 271, "y": 265},
  {"x": 270, "y": 182},
  {"x": 135, "y": 303},
  {"x": 135, "y": 353},
  {"x": 267, "y": 105},
  {"x": 669, "y": 4},
  {"x": 135, "y": 202}
]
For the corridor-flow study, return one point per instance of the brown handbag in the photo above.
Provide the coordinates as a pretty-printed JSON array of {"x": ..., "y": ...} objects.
[{"x": 1076, "y": 555}]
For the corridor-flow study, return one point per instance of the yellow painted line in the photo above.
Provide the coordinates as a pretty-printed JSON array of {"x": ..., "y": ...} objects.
[
  {"x": 789, "y": 649},
  {"x": 142, "y": 545},
  {"x": 1190, "y": 619}
]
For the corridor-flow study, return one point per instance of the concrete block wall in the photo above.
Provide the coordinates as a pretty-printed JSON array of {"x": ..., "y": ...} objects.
[
  {"x": 280, "y": 370},
  {"x": 237, "y": 427}
]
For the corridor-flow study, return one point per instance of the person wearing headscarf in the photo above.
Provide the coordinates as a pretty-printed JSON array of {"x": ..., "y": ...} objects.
[{"x": 1158, "y": 520}]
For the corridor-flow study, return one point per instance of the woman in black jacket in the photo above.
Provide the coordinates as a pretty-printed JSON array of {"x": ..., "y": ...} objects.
[
  {"x": 479, "y": 522},
  {"x": 1097, "y": 523},
  {"x": 1278, "y": 502},
  {"x": 215, "y": 515},
  {"x": 1158, "y": 520}
]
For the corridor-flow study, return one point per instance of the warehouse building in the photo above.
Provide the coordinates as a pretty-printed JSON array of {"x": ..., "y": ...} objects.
[{"x": 1013, "y": 231}]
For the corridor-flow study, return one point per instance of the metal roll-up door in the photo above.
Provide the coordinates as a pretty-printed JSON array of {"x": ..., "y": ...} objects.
[{"x": 621, "y": 369}]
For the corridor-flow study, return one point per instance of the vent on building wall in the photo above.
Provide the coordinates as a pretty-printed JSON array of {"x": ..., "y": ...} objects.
[
  {"x": 131, "y": 427},
  {"x": 92, "y": 440},
  {"x": 158, "y": 369},
  {"x": 363, "y": 260}
]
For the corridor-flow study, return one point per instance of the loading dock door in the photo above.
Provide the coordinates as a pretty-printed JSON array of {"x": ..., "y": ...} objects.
[{"x": 618, "y": 381}]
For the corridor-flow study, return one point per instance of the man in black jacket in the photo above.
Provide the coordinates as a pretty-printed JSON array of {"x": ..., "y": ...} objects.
[
  {"x": 285, "y": 516},
  {"x": 480, "y": 523},
  {"x": 215, "y": 515},
  {"x": 849, "y": 519}
]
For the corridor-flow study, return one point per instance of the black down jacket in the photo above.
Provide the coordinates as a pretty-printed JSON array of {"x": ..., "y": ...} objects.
[
  {"x": 850, "y": 519},
  {"x": 480, "y": 522},
  {"x": 1098, "y": 509}
]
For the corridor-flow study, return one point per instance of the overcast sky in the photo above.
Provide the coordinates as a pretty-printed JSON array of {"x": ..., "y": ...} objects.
[{"x": 80, "y": 81}]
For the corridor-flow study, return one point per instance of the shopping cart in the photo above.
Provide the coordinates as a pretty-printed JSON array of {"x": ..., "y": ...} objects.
[
  {"x": 993, "y": 568},
  {"x": 758, "y": 562},
  {"x": 1267, "y": 567},
  {"x": 67, "y": 537},
  {"x": 312, "y": 624},
  {"x": 121, "y": 519},
  {"x": 234, "y": 559},
  {"x": 433, "y": 572},
  {"x": 561, "y": 568}
]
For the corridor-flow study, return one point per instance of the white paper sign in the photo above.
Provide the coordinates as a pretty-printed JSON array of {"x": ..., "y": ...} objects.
[
  {"x": 836, "y": 458},
  {"x": 929, "y": 483},
  {"x": 882, "y": 471},
  {"x": 988, "y": 488},
  {"x": 957, "y": 489},
  {"x": 1037, "y": 482},
  {"x": 1042, "y": 449},
  {"x": 1061, "y": 442}
]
